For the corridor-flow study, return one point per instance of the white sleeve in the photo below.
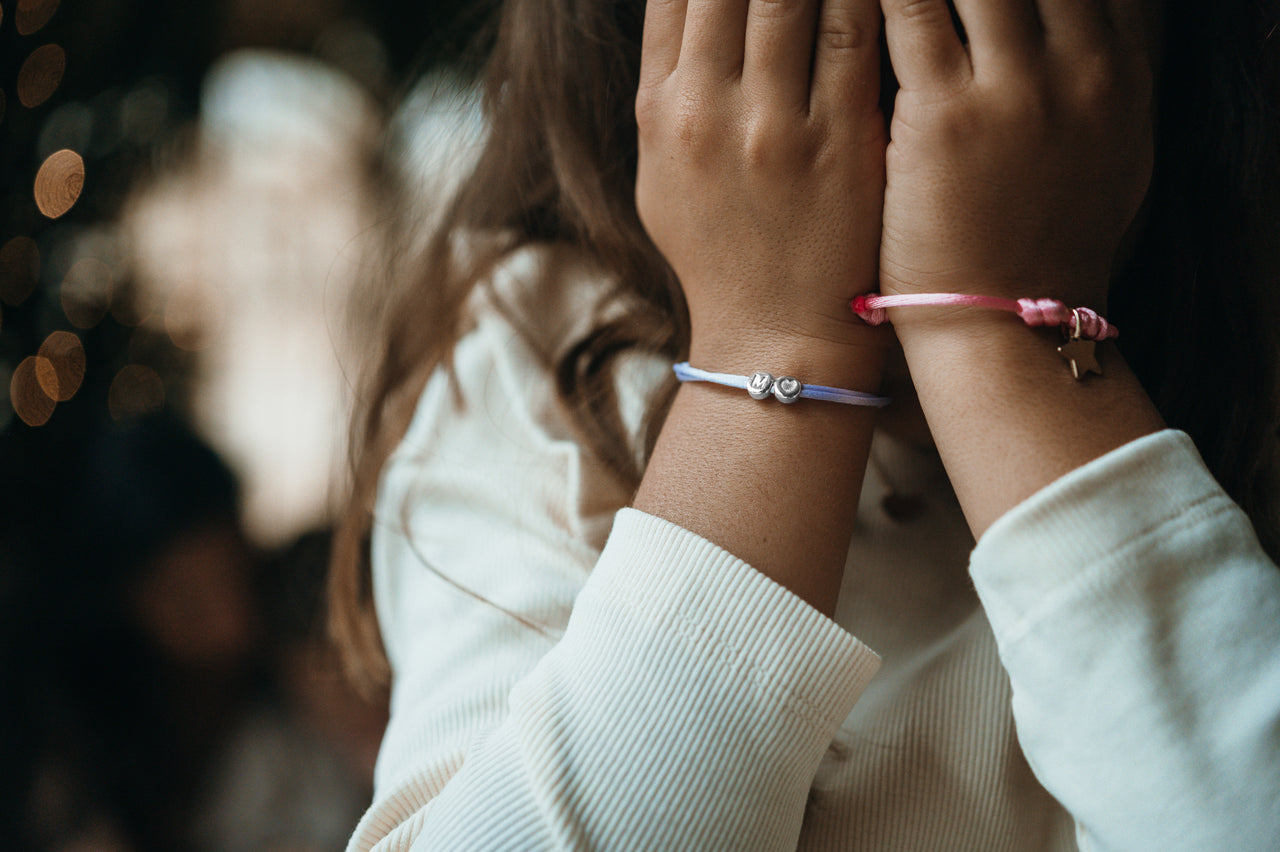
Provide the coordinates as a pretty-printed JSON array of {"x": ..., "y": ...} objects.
[
  {"x": 661, "y": 694},
  {"x": 1139, "y": 621}
]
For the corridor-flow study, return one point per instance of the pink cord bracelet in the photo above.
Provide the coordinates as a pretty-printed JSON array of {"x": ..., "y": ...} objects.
[
  {"x": 873, "y": 309},
  {"x": 1081, "y": 327}
]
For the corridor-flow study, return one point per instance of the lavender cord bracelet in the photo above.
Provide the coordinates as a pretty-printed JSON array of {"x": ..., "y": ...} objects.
[{"x": 762, "y": 385}]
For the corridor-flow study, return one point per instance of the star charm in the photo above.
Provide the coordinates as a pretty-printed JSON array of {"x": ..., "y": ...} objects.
[{"x": 1080, "y": 353}]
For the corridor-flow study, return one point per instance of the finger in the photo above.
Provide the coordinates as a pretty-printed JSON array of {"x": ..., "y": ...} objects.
[
  {"x": 924, "y": 47},
  {"x": 1002, "y": 33},
  {"x": 846, "y": 58},
  {"x": 1075, "y": 25},
  {"x": 713, "y": 35},
  {"x": 663, "y": 31},
  {"x": 779, "y": 50}
]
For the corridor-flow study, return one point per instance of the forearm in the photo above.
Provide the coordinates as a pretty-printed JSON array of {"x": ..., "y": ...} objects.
[
  {"x": 1017, "y": 164},
  {"x": 776, "y": 485},
  {"x": 1006, "y": 414},
  {"x": 760, "y": 178}
]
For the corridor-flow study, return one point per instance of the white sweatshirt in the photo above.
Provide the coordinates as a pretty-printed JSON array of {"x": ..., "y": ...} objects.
[{"x": 573, "y": 674}]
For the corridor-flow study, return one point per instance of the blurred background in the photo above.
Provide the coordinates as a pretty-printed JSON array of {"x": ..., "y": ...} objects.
[{"x": 195, "y": 213}]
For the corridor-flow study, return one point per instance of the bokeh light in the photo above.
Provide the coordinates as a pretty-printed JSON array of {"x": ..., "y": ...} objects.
[
  {"x": 29, "y": 400},
  {"x": 59, "y": 183},
  {"x": 19, "y": 270},
  {"x": 60, "y": 365},
  {"x": 40, "y": 75},
  {"x": 134, "y": 391},
  {"x": 86, "y": 292},
  {"x": 31, "y": 15}
]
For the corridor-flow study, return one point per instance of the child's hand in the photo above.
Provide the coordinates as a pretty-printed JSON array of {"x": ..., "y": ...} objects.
[
  {"x": 761, "y": 170},
  {"x": 1016, "y": 165}
]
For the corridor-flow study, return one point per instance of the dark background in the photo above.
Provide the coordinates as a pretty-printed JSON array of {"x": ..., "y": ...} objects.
[{"x": 164, "y": 680}]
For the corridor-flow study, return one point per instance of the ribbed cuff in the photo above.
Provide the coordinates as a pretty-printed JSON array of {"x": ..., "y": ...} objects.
[
  {"x": 722, "y": 604},
  {"x": 1091, "y": 517}
]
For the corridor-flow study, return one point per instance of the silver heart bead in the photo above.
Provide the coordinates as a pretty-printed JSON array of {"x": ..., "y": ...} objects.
[{"x": 787, "y": 389}]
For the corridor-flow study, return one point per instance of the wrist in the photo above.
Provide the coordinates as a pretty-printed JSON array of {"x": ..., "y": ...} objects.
[
  {"x": 969, "y": 329},
  {"x": 981, "y": 349},
  {"x": 985, "y": 367},
  {"x": 1007, "y": 415},
  {"x": 776, "y": 485}
]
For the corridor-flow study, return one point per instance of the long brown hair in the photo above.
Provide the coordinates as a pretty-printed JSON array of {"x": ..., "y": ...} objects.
[{"x": 1199, "y": 300}]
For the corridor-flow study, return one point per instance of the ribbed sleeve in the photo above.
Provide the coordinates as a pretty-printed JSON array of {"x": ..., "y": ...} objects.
[
  {"x": 572, "y": 676},
  {"x": 687, "y": 706},
  {"x": 1139, "y": 622}
]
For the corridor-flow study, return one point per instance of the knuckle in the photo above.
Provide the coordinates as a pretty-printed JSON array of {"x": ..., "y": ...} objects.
[
  {"x": 758, "y": 151},
  {"x": 771, "y": 147},
  {"x": 921, "y": 11},
  {"x": 688, "y": 121},
  {"x": 840, "y": 34},
  {"x": 674, "y": 115},
  {"x": 647, "y": 107},
  {"x": 762, "y": 144},
  {"x": 771, "y": 9}
]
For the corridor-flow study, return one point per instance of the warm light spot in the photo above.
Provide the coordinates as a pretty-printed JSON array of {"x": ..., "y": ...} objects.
[
  {"x": 60, "y": 367},
  {"x": 135, "y": 390},
  {"x": 19, "y": 269},
  {"x": 31, "y": 15},
  {"x": 40, "y": 75},
  {"x": 86, "y": 292},
  {"x": 47, "y": 378},
  {"x": 193, "y": 317},
  {"x": 30, "y": 402},
  {"x": 59, "y": 182}
]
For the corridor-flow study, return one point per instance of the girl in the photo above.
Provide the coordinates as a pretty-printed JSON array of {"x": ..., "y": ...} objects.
[{"x": 624, "y": 616}]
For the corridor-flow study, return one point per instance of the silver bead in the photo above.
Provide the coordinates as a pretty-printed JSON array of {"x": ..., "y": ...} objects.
[
  {"x": 760, "y": 385},
  {"x": 787, "y": 389}
]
